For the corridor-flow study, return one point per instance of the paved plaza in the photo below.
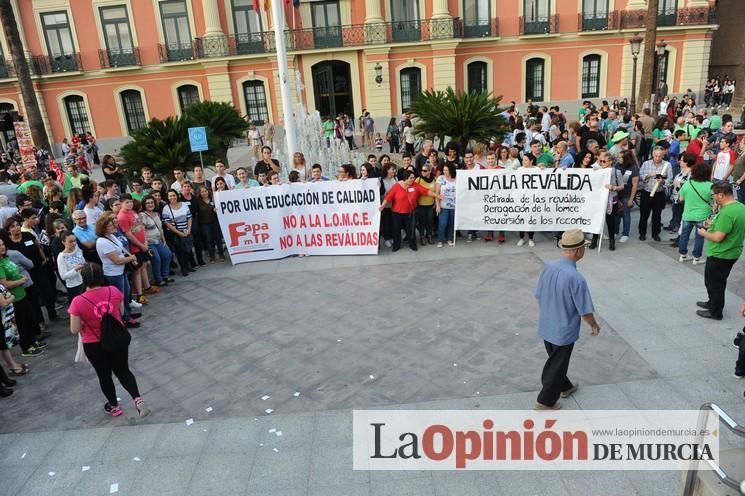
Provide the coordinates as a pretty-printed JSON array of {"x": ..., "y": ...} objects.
[{"x": 449, "y": 328}]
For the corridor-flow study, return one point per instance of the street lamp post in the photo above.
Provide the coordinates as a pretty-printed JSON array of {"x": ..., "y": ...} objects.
[{"x": 636, "y": 45}]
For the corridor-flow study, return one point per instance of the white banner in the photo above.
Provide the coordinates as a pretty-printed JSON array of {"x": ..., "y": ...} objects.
[
  {"x": 532, "y": 440},
  {"x": 323, "y": 218},
  {"x": 531, "y": 199}
]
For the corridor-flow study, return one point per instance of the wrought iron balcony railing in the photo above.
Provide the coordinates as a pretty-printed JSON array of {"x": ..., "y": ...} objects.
[
  {"x": 52, "y": 64},
  {"x": 598, "y": 21},
  {"x": 175, "y": 52},
  {"x": 350, "y": 35},
  {"x": 694, "y": 16},
  {"x": 483, "y": 28},
  {"x": 539, "y": 25},
  {"x": 125, "y": 57}
]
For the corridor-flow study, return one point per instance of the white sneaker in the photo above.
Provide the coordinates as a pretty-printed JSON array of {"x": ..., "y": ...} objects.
[
  {"x": 439, "y": 244},
  {"x": 135, "y": 304},
  {"x": 531, "y": 243},
  {"x": 520, "y": 242},
  {"x": 451, "y": 243},
  {"x": 388, "y": 243},
  {"x": 623, "y": 239},
  {"x": 683, "y": 258},
  {"x": 698, "y": 261}
]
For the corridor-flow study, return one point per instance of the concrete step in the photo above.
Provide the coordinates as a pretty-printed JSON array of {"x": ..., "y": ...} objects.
[{"x": 733, "y": 464}]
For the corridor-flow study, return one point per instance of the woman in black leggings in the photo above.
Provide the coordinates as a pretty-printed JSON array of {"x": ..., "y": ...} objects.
[{"x": 86, "y": 312}]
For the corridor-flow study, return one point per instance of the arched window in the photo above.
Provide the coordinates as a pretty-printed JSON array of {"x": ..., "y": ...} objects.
[
  {"x": 477, "y": 76},
  {"x": 134, "y": 111},
  {"x": 257, "y": 109},
  {"x": 534, "y": 76},
  {"x": 188, "y": 94},
  {"x": 77, "y": 114},
  {"x": 411, "y": 86},
  {"x": 591, "y": 76}
]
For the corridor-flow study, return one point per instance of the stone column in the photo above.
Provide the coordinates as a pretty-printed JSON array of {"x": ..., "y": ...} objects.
[
  {"x": 442, "y": 21},
  {"x": 214, "y": 41},
  {"x": 375, "y": 28}
]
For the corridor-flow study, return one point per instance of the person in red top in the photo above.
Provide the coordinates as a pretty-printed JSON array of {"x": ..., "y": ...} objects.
[
  {"x": 403, "y": 198},
  {"x": 698, "y": 145},
  {"x": 86, "y": 312},
  {"x": 132, "y": 227}
]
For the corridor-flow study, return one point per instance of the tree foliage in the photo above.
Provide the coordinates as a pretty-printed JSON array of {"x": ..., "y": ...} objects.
[
  {"x": 223, "y": 123},
  {"x": 462, "y": 116},
  {"x": 164, "y": 144}
]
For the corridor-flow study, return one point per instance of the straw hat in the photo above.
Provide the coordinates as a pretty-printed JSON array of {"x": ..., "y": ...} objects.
[{"x": 573, "y": 239}]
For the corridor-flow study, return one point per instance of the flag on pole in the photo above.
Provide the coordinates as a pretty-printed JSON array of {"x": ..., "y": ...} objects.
[
  {"x": 296, "y": 3},
  {"x": 267, "y": 5},
  {"x": 256, "y": 5}
]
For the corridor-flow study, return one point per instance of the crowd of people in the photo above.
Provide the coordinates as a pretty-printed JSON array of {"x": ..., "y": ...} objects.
[{"x": 137, "y": 233}]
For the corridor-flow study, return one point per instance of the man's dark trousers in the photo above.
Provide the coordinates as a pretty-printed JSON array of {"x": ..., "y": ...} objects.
[
  {"x": 654, "y": 205},
  {"x": 716, "y": 273},
  {"x": 554, "y": 377}
]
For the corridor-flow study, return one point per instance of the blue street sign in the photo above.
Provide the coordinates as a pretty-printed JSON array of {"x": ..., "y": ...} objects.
[{"x": 198, "y": 139}]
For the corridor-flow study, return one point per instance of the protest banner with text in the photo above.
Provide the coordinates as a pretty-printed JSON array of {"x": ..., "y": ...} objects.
[
  {"x": 531, "y": 199},
  {"x": 323, "y": 218}
]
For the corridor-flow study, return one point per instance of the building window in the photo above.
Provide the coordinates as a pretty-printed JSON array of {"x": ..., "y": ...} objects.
[
  {"x": 257, "y": 109},
  {"x": 591, "y": 76},
  {"x": 476, "y": 18},
  {"x": 536, "y": 16},
  {"x": 477, "y": 76},
  {"x": 77, "y": 114},
  {"x": 115, "y": 24},
  {"x": 188, "y": 94},
  {"x": 134, "y": 111},
  {"x": 248, "y": 29},
  {"x": 666, "y": 12},
  {"x": 534, "y": 71},
  {"x": 176, "y": 30},
  {"x": 661, "y": 72},
  {"x": 405, "y": 17},
  {"x": 411, "y": 86},
  {"x": 58, "y": 36},
  {"x": 326, "y": 24},
  {"x": 594, "y": 15}
]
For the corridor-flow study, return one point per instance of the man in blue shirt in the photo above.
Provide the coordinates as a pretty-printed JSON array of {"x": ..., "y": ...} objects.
[{"x": 564, "y": 301}]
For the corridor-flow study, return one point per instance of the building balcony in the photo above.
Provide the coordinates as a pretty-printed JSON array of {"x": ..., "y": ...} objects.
[
  {"x": 540, "y": 25},
  {"x": 247, "y": 43},
  {"x": 694, "y": 16},
  {"x": 484, "y": 28},
  {"x": 113, "y": 58},
  {"x": 598, "y": 21},
  {"x": 54, "y": 64},
  {"x": 177, "y": 52}
]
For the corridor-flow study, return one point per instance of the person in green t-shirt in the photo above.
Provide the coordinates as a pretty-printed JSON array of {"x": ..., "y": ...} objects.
[
  {"x": 725, "y": 236},
  {"x": 138, "y": 190},
  {"x": 696, "y": 197},
  {"x": 13, "y": 280}
]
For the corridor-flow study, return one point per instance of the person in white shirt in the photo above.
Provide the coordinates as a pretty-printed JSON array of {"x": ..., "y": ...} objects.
[
  {"x": 180, "y": 175},
  {"x": 220, "y": 171},
  {"x": 91, "y": 208}
]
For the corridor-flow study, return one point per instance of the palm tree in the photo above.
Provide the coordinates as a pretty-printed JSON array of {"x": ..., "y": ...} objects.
[
  {"x": 13, "y": 39},
  {"x": 223, "y": 122},
  {"x": 162, "y": 144},
  {"x": 647, "y": 84},
  {"x": 463, "y": 116}
]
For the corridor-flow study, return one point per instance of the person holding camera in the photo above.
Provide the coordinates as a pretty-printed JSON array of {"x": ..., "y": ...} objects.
[
  {"x": 653, "y": 176},
  {"x": 725, "y": 235},
  {"x": 115, "y": 259}
]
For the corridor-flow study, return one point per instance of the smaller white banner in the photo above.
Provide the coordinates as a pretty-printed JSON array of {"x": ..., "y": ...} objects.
[
  {"x": 533, "y": 440},
  {"x": 531, "y": 199},
  {"x": 323, "y": 218}
]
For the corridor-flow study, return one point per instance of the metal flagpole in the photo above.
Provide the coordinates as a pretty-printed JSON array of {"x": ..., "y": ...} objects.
[{"x": 278, "y": 18}]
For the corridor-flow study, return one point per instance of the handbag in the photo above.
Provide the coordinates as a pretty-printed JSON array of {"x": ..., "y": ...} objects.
[{"x": 114, "y": 334}]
